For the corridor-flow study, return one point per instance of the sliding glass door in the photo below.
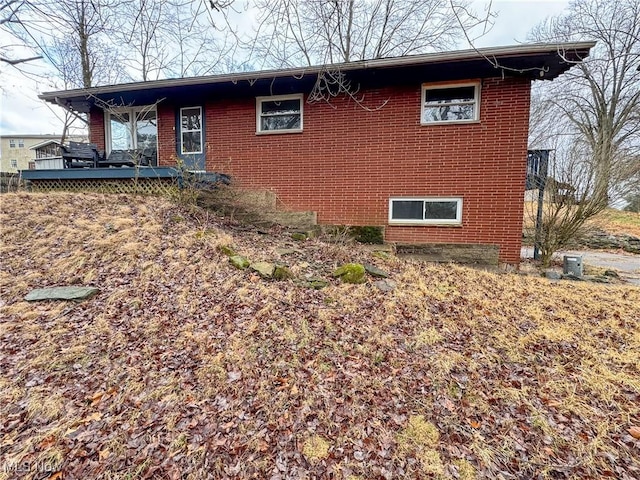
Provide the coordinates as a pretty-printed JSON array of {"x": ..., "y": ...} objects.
[{"x": 132, "y": 128}]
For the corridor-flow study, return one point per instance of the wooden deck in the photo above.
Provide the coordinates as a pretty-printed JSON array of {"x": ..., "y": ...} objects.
[
  {"x": 101, "y": 173},
  {"x": 121, "y": 180}
]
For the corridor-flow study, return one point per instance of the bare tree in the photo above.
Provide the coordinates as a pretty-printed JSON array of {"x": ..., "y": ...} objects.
[
  {"x": 10, "y": 18},
  {"x": 307, "y": 32},
  {"x": 173, "y": 38},
  {"x": 589, "y": 117},
  {"x": 204, "y": 40},
  {"x": 142, "y": 30},
  {"x": 570, "y": 192},
  {"x": 87, "y": 24},
  {"x": 600, "y": 97}
]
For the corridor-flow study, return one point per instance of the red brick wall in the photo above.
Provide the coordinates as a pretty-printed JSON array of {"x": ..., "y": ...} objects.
[
  {"x": 167, "y": 134},
  {"x": 348, "y": 161},
  {"x": 96, "y": 127}
]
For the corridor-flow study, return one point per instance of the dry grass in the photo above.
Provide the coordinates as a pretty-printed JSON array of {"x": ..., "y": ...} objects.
[
  {"x": 182, "y": 367},
  {"x": 618, "y": 222},
  {"x": 614, "y": 222}
]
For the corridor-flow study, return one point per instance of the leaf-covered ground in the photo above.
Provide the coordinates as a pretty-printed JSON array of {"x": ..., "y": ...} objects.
[
  {"x": 610, "y": 221},
  {"x": 618, "y": 222},
  {"x": 183, "y": 367}
]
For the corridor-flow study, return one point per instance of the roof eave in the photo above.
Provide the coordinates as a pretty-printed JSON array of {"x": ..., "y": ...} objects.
[{"x": 490, "y": 53}]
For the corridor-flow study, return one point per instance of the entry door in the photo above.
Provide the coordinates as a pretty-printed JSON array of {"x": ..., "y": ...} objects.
[{"x": 191, "y": 138}]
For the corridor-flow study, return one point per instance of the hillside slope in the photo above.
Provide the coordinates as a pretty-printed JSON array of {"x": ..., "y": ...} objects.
[{"x": 184, "y": 367}]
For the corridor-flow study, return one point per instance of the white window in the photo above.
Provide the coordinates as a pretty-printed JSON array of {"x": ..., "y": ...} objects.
[
  {"x": 191, "y": 130},
  {"x": 279, "y": 114},
  {"x": 12, "y": 143},
  {"x": 14, "y": 163},
  {"x": 21, "y": 143},
  {"x": 130, "y": 128},
  {"x": 426, "y": 211},
  {"x": 450, "y": 103}
]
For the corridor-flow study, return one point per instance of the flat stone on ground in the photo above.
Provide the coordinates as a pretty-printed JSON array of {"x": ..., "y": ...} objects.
[
  {"x": 385, "y": 285},
  {"x": 239, "y": 262},
  {"x": 61, "y": 293},
  {"x": 553, "y": 275},
  {"x": 316, "y": 283},
  {"x": 375, "y": 271},
  {"x": 264, "y": 269}
]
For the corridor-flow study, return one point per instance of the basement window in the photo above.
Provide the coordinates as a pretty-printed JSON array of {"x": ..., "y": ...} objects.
[
  {"x": 425, "y": 211},
  {"x": 279, "y": 114},
  {"x": 450, "y": 103}
]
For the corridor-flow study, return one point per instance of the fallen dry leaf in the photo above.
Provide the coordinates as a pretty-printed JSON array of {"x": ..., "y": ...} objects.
[
  {"x": 223, "y": 375},
  {"x": 94, "y": 417}
]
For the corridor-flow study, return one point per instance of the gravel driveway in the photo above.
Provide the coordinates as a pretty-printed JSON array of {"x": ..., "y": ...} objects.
[{"x": 627, "y": 264}]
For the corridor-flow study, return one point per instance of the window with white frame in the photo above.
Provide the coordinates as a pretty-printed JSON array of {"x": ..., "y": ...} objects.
[
  {"x": 14, "y": 163},
  {"x": 12, "y": 143},
  {"x": 191, "y": 130},
  {"x": 450, "y": 103},
  {"x": 426, "y": 211},
  {"x": 21, "y": 143},
  {"x": 129, "y": 128},
  {"x": 279, "y": 114}
]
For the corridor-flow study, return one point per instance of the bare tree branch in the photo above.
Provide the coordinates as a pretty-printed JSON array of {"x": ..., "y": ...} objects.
[
  {"x": 590, "y": 116},
  {"x": 21, "y": 60}
]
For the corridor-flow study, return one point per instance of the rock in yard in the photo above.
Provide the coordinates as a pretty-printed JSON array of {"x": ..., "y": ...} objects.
[
  {"x": 227, "y": 250},
  {"x": 317, "y": 283},
  {"x": 375, "y": 271},
  {"x": 239, "y": 261},
  {"x": 282, "y": 273},
  {"x": 385, "y": 285},
  {"x": 61, "y": 293},
  {"x": 299, "y": 236},
  {"x": 552, "y": 275},
  {"x": 264, "y": 269},
  {"x": 350, "y": 273}
]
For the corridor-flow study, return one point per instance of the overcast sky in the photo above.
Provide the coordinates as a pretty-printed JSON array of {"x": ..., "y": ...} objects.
[{"x": 21, "y": 112}]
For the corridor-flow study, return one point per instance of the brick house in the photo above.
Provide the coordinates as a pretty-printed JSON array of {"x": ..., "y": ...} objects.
[{"x": 432, "y": 147}]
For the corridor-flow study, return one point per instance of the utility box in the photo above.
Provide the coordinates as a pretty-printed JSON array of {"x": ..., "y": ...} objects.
[{"x": 572, "y": 265}]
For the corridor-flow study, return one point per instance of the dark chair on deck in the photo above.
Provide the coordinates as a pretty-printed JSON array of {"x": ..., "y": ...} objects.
[
  {"x": 125, "y": 158},
  {"x": 80, "y": 155}
]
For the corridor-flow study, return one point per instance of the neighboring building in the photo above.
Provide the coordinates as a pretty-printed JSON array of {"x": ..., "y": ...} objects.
[
  {"x": 47, "y": 155},
  {"x": 554, "y": 192},
  {"x": 17, "y": 151},
  {"x": 432, "y": 147}
]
